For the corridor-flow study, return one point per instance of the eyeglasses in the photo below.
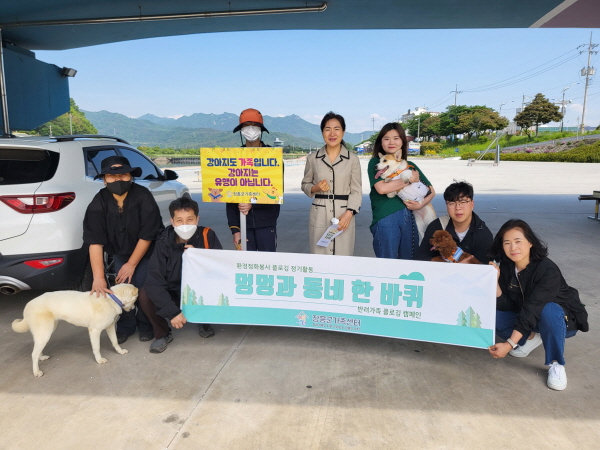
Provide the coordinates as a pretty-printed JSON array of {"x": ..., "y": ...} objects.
[{"x": 461, "y": 203}]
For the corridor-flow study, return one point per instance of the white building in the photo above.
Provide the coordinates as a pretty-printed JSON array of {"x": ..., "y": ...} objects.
[{"x": 417, "y": 112}]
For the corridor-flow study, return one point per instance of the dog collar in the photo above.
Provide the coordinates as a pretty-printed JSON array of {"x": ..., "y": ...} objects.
[
  {"x": 216, "y": 196},
  {"x": 457, "y": 254},
  {"x": 116, "y": 299}
]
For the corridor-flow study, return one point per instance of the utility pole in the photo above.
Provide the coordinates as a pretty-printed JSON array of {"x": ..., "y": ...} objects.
[
  {"x": 456, "y": 92},
  {"x": 587, "y": 71},
  {"x": 419, "y": 128}
]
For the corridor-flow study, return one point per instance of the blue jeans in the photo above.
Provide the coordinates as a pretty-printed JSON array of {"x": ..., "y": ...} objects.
[
  {"x": 395, "y": 236},
  {"x": 552, "y": 328}
]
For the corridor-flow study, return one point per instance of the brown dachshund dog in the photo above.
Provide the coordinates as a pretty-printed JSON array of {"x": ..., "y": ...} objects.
[{"x": 442, "y": 241}]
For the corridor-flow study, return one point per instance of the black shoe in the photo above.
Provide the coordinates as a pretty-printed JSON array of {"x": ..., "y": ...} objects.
[
  {"x": 160, "y": 345},
  {"x": 206, "y": 331},
  {"x": 146, "y": 336},
  {"x": 121, "y": 338}
]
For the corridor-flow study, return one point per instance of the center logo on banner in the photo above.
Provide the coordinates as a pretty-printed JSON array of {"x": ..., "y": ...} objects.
[{"x": 446, "y": 303}]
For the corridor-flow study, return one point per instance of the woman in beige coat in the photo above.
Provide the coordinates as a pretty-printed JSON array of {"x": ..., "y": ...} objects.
[{"x": 332, "y": 177}]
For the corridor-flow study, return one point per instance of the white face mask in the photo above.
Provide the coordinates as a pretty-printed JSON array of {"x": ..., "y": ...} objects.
[
  {"x": 185, "y": 231},
  {"x": 251, "y": 133}
]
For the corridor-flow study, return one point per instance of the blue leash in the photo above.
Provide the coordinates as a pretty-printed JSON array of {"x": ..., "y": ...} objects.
[{"x": 116, "y": 299}]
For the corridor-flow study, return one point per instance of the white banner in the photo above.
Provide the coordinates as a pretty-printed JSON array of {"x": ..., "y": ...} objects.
[{"x": 425, "y": 301}]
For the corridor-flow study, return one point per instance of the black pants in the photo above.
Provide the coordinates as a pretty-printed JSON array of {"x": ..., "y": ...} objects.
[
  {"x": 261, "y": 239},
  {"x": 160, "y": 325},
  {"x": 130, "y": 319}
]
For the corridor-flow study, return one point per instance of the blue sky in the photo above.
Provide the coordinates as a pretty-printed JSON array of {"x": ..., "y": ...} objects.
[{"x": 361, "y": 74}]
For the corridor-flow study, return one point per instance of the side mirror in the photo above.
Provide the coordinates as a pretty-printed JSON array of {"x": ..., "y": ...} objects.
[{"x": 170, "y": 175}]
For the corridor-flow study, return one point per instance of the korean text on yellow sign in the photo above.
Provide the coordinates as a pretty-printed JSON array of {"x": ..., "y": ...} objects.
[{"x": 242, "y": 175}]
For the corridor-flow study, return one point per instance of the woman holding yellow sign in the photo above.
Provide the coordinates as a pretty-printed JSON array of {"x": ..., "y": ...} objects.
[{"x": 332, "y": 177}]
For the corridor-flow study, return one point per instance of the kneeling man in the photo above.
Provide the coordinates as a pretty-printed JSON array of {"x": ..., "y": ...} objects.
[{"x": 160, "y": 297}]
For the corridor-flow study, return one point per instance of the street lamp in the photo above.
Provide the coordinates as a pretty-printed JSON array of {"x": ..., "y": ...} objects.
[
  {"x": 501, "y": 105},
  {"x": 563, "y": 104}
]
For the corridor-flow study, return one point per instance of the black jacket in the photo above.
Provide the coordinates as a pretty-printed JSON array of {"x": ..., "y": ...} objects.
[
  {"x": 164, "y": 268},
  {"x": 528, "y": 292},
  {"x": 477, "y": 241},
  {"x": 119, "y": 232},
  {"x": 259, "y": 216}
]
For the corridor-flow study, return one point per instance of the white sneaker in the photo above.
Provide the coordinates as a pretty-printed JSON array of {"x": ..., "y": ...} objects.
[
  {"x": 523, "y": 350},
  {"x": 557, "y": 377}
]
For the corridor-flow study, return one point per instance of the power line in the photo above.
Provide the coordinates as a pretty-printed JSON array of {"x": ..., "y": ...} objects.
[
  {"x": 506, "y": 84},
  {"x": 530, "y": 70}
]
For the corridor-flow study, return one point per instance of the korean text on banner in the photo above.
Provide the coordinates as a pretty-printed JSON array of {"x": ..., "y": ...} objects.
[
  {"x": 424, "y": 301},
  {"x": 242, "y": 175}
]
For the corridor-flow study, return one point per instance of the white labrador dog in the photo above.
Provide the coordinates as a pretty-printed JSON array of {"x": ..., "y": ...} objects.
[{"x": 41, "y": 316}]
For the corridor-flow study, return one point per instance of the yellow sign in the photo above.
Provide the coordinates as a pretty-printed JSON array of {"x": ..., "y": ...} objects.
[{"x": 242, "y": 175}]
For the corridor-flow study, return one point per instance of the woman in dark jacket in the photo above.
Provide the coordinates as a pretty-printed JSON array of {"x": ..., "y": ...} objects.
[
  {"x": 122, "y": 220},
  {"x": 534, "y": 303}
]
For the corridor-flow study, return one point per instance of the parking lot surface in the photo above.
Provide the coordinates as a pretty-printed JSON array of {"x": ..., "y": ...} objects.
[{"x": 286, "y": 388}]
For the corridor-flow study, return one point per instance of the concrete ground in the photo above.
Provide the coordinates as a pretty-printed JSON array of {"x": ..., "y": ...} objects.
[{"x": 286, "y": 388}]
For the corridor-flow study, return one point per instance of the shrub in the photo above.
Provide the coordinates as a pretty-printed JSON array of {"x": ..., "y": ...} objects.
[
  {"x": 434, "y": 147},
  {"x": 580, "y": 154}
]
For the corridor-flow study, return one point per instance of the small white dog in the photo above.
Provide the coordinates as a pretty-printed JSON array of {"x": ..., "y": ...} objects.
[
  {"x": 393, "y": 167},
  {"x": 41, "y": 316}
]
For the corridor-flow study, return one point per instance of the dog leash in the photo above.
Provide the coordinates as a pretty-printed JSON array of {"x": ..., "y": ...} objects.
[
  {"x": 457, "y": 254},
  {"x": 116, "y": 299}
]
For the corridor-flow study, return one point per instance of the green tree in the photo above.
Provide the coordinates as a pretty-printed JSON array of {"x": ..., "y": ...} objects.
[
  {"x": 479, "y": 120},
  {"x": 415, "y": 125},
  {"x": 449, "y": 120},
  {"x": 62, "y": 124},
  {"x": 424, "y": 125},
  {"x": 539, "y": 111}
]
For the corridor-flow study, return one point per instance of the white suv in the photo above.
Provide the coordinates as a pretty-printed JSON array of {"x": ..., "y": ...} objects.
[{"x": 46, "y": 184}]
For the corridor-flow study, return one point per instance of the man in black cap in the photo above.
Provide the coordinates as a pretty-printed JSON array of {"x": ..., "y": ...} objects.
[
  {"x": 261, "y": 219},
  {"x": 122, "y": 220}
]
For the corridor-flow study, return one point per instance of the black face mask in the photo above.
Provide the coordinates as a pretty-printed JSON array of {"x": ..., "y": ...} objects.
[{"x": 118, "y": 187}]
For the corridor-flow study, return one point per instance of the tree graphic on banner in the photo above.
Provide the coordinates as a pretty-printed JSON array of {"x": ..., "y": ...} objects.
[
  {"x": 469, "y": 318},
  {"x": 223, "y": 300},
  {"x": 188, "y": 296}
]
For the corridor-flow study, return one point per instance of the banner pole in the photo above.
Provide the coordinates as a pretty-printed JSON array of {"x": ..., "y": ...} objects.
[{"x": 243, "y": 231}]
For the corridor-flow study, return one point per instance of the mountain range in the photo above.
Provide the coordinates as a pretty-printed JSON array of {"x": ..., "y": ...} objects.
[{"x": 207, "y": 130}]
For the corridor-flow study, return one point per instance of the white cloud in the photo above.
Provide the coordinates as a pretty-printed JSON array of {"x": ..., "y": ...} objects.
[
  {"x": 377, "y": 117},
  {"x": 176, "y": 116}
]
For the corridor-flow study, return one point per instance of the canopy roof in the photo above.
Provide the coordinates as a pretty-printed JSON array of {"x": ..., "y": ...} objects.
[{"x": 63, "y": 24}]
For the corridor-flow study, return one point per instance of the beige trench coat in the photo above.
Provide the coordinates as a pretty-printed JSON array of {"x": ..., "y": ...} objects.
[{"x": 344, "y": 178}]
